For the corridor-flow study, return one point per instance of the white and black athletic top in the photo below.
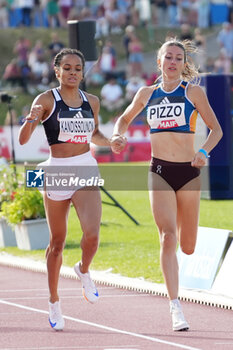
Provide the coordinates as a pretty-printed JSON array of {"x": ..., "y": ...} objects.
[{"x": 66, "y": 124}]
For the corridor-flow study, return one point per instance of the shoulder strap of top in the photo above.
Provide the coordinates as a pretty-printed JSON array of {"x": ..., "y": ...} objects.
[
  {"x": 157, "y": 86},
  {"x": 56, "y": 94},
  {"x": 83, "y": 96},
  {"x": 183, "y": 84}
]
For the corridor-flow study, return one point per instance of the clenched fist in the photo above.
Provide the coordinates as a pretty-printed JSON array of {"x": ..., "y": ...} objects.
[
  {"x": 35, "y": 113},
  {"x": 118, "y": 143}
]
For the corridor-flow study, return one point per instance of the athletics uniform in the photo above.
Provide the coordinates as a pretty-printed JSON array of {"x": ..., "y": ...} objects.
[
  {"x": 174, "y": 112},
  {"x": 69, "y": 125},
  {"x": 66, "y": 124}
]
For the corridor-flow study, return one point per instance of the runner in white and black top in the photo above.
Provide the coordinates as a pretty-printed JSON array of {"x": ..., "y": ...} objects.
[{"x": 70, "y": 119}]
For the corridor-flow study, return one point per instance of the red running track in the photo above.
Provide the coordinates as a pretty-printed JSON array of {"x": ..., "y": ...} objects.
[{"x": 121, "y": 320}]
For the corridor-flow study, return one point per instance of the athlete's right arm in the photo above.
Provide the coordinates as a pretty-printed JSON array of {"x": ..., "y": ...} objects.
[
  {"x": 139, "y": 102},
  {"x": 41, "y": 106}
]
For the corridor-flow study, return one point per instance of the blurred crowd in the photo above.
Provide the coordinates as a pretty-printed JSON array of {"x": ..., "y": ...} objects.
[
  {"x": 110, "y": 15},
  {"x": 31, "y": 68}
]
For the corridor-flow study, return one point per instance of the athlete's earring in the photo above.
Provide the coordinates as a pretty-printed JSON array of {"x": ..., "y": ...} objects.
[
  {"x": 159, "y": 63},
  {"x": 57, "y": 72}
]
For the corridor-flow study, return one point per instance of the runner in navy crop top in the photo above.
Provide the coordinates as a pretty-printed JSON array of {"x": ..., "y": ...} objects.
[
  {"x": 69, "y": 130},
  {"x": 66, "y": 124}
]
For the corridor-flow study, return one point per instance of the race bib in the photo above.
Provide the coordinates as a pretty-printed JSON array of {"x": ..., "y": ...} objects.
[
  {"x": 166, "y": 112},
  {"x": 75, "y": 126}
]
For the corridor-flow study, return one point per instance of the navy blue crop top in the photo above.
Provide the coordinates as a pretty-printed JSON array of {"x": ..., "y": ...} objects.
[
  {"x": 66, "y": 124},
  {"x": 171, "y": 111}
]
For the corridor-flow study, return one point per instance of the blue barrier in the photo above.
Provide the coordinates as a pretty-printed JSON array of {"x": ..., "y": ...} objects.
[
  {"x": 220, "y": 95},
  {"x": 218, "y": 13}
]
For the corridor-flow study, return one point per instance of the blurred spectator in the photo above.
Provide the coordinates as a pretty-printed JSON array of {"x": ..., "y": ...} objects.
[
  {"x": 144, "y": 10},
  {"x": 132, "y": 87},
  {"x": 125, "y": 8},
  {"x": 3, "y": 14},
  {"x": 203, "y": 12},
  {"x": 65, "y": 7},
  {"x": 209, "y": 65},
  {"x": 55, "y": 45},
  {"x": 112, "y": 95},
  {"x": 36, "y": 52},
  {"x": 230, "y": 11},
  {"x": 200, "y": 42},
  {"x": 53, "y": 13},
  {"x": 39, "y": 13},
  {"x": 187, "y": 11},
  {"x": 225, "y": 38},
  {"x": 95, "y": 77},
  {"x": 11, "y": 13},
  {"x": 172, "y": 13},
  {"x": 102, "y": 25},
  {"x": 193, "y": 12},
  {"x": 80, "y": 4},
  {"x": 129, "y": 30},
  {"x": 26, "y": 7},
  {"x": 135, "y": 56},
  {"x": 186, "y": 33},
  {"x": 115, "y": 17},
  {"x": 107, "y": 61},
  {"x": 223, "y": 63},
  {"x": 86, "y": 14},
  {"x": 162, "y": 11},
  {"x": 21, "y": 49},
  {"x": 13, "y": 74},
  {"x": 93, "y": 5},
  {"x": 40, "y": 73},
  {"x": 150, "y": 79}
]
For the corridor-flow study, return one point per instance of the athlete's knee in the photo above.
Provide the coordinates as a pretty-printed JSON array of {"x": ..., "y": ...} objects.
[
  {"x": 187, "y": 249},
  {"x": 56, "y": 247},
  {"x": 168, "y": 240},
  {"x": 91, "y": 237}
]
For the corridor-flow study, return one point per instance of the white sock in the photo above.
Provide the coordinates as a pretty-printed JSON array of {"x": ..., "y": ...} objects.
[{"x": 175, "y": 302}]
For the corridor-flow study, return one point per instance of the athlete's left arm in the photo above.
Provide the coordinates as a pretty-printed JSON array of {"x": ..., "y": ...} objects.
[{"x": 200, "y": 100}]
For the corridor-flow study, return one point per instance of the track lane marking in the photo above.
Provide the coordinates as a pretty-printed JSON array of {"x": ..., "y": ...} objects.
[
  {"x": 120, "y": 347},
  {"x": 92, "y": 324},
  {"x": 73, "y": 296}
]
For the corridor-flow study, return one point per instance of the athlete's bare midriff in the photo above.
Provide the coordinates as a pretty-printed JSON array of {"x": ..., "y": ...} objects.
[
  {"x": 172, "y": 146},
  {"x": 64, "y": 150}
]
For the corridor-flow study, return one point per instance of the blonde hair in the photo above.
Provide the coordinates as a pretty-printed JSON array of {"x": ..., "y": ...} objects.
[{"x": 190, "y": 72}]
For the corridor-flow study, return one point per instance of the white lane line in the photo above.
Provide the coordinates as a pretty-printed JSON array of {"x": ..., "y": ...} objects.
[
  {"x": 129, "y": 347},
  {"x": 46, "y": 289},
  {"x": 75, "y": 296},
  {"x": 111, "y": 329}
]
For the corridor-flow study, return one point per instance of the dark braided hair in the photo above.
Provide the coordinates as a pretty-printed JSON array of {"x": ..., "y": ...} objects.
[{"x": 65, "y": 52}]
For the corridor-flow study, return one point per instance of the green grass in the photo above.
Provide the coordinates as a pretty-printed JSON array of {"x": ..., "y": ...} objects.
[{"x": 126, "y": 248}]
